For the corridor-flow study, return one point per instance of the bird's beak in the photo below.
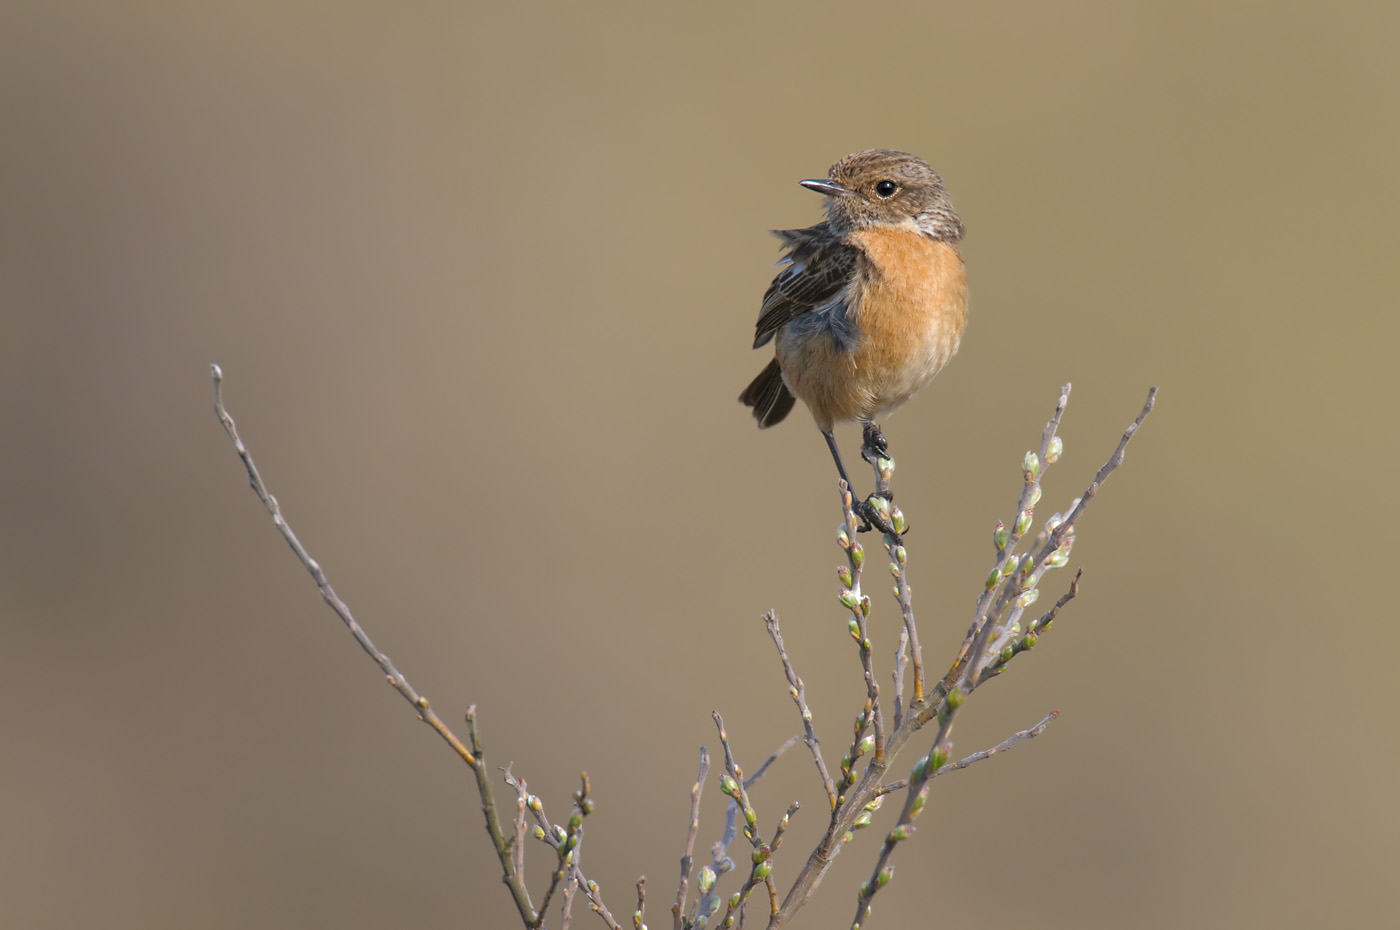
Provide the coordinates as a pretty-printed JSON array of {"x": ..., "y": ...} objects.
[{"x": 830, "y": 188}]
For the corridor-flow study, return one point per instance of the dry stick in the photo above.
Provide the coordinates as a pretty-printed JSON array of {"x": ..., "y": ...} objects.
[
  {"x": 639, "y": 917},
  {"x": 475, "y": 756},
  {"x": 799, "y": 697},
  {"x": 686, "y": 858}
]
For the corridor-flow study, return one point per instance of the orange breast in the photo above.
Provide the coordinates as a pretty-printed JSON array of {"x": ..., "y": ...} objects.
[{"x": 909, "y": 300}]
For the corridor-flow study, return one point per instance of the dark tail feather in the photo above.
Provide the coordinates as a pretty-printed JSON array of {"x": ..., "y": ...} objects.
[{"x": 768, "y": 396}]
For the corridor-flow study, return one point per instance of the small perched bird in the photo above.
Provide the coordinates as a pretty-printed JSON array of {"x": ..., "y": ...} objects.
[{"x": 872, "y": 302}]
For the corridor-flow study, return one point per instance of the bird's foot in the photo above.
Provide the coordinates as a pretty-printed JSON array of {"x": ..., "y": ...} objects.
[
  {"x": 874, "y": 513},
  {"x": 873, "y": 446}
]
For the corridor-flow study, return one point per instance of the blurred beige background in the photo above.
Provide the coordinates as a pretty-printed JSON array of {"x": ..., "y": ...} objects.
[{"x": 483, "y": 283}]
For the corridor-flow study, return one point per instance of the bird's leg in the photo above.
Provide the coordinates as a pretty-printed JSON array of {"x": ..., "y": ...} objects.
[
  {"x": 836, "y": 454},
  {"x": 868, "y": 514}
]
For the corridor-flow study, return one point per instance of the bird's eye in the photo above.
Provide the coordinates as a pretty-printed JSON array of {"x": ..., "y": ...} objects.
[{"x": 885, "y": 189}]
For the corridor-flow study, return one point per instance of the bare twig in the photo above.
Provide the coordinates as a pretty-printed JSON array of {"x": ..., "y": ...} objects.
[
  {"x": 1017, "y": 737},
  {"x": 522, "y": 798},
  {"x": 901, "y": 659},
  {"x": 508, "y": 850},
  {"x": 678, "y": 911},
  {"x": 799, "y": 697},
  {"x": 514, "y": 878},
  {"x": 595, "y": 901},
  {"x": 639, "y": 917},
  {"x": 571, "y": 887},
  {"x": 399, "y": 683}
]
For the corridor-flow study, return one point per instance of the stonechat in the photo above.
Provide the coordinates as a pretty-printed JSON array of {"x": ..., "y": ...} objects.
[{"x": 871, "y": 303}]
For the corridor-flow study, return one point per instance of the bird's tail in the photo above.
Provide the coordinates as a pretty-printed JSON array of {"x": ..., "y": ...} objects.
[{"x": 768, "y": 396}]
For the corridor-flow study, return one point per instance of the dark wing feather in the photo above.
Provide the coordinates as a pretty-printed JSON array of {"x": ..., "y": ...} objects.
[{"x": 819, "y": 265}]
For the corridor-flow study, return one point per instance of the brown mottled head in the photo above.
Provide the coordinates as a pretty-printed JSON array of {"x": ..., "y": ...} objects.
[{"x": 881, "y": 186}]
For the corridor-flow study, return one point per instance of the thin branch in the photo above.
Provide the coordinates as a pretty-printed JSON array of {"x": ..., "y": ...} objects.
[
  {"x": 901, "y": 659},
  {"x": 894, "y": 545},
  {"x": 639, "y": 917},
  {"x": 733, "y": 785},
  {"x": 565, "y": 849},
  {"x": 859, "y": 606},
  {"x": 1108, "y": 468},
  {"x": 1006, "y": 545},
  {"x": 892, "y": 787},
  {"x": 799, "y": 697},
  {"x": 1017, "y": 737},
  {"x": 522, "y": 798},
  {"x": 571, "y": 888},
  {"x": 694, "y": 827},
  {"x": 595, "y": 901},
  {"x": 1030, "y": 637},
  {"x": 914, "y": 800},
  {"x": 508, "y": 850},
  {"x": 399, "y": 683},
  {"x": 514, "y": 878}
]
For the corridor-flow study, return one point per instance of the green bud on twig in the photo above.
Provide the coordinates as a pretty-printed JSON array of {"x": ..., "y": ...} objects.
[
  {"x": 706, "y": 880},
  {"x": 1023, "y": 521},
  {"x": 1052, "y": 454},
  {"x": 1030, "y": 466},
  {"x": 1000, "y": 535}
]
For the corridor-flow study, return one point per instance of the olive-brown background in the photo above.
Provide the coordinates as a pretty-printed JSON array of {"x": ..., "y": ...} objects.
[{"x": 482, "y": 283}]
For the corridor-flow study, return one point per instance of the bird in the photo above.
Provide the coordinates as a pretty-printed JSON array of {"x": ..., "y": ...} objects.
[{"x": 871, "y": 302}]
